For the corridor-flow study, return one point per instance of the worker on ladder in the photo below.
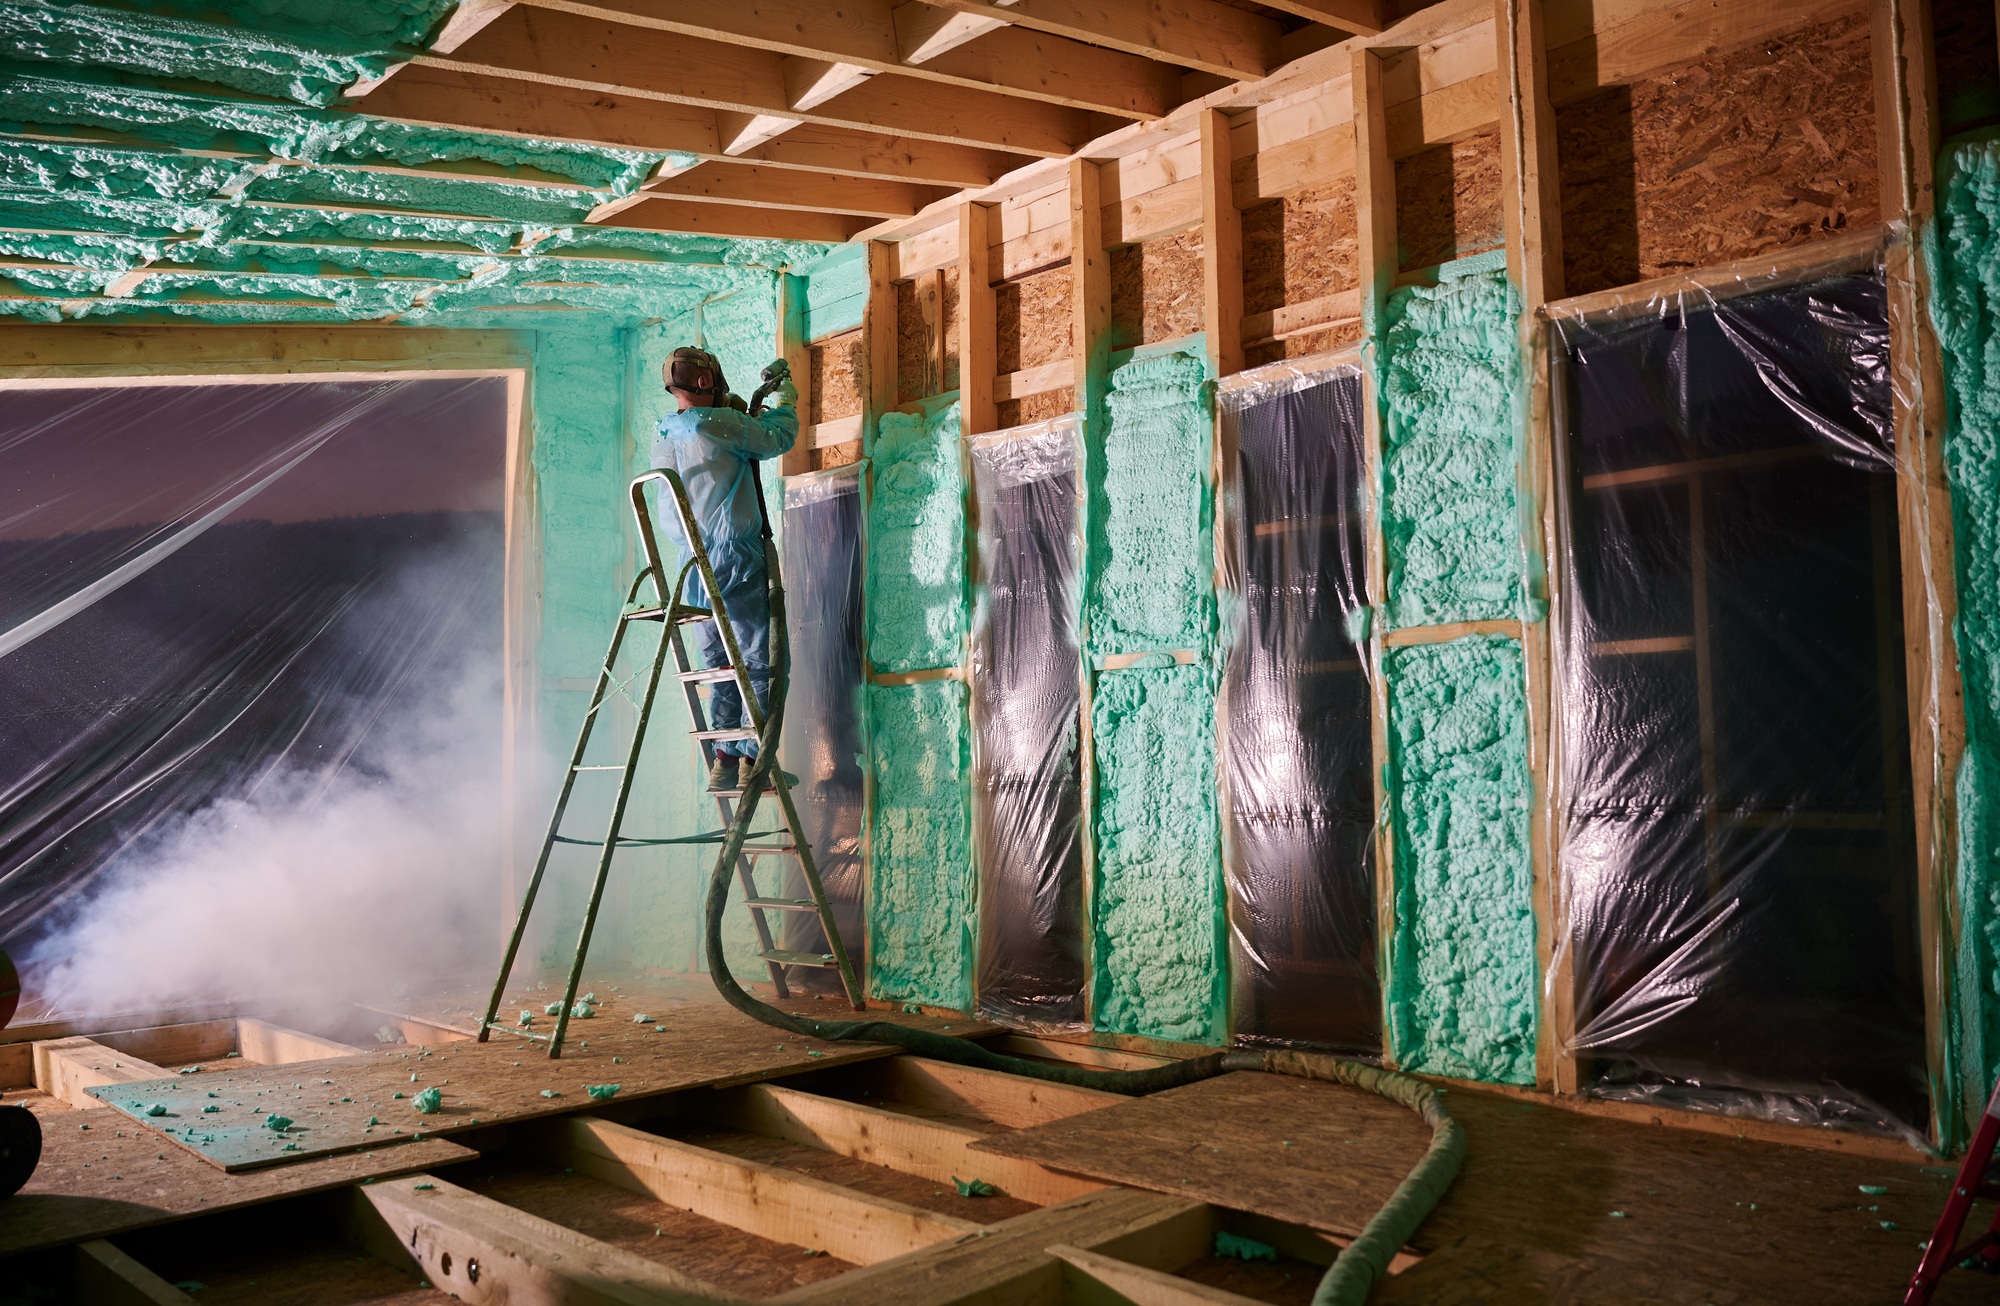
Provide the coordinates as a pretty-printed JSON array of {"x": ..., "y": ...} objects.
[{"x": 715, "y": 443}]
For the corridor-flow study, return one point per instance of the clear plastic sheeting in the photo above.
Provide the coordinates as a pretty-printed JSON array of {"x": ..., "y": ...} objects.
[
  {"x": 1738, "y": 843},
  {"x": 1027, "y": 767},
  {"x": 1295, "y": 717},
  {"x": 822, "y": 741},
  {"x": 207, "y": 586}
]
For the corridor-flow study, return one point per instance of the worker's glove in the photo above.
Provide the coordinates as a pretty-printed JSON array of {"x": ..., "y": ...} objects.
[{"x": 777, "y": 386}]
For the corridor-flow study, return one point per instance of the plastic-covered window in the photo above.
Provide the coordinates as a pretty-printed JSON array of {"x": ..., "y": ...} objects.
[
  {"x": 206, "y": 587},
  {"x": 1738, "y": 843},
  {"x": 1027, "y": 777},
  {"x": 1296, "y": 720},
  {"x": 822, "y": 737}
]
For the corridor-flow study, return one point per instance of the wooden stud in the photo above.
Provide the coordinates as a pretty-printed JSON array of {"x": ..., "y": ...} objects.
[
  {"x": 1090, "y": 270},
  {"x": 481, "y": 1250},
  {"x": 768, "y": 1201},
  {"x": 1906, "y": 115},
  {"x": 1222, "y": 248},
  {"x": 262, "y": 1043},
  {"x": 1375, "y": 218},
  {"x": 64, "y": 1068},
  {"x": 878, "y": 325},
  {"x": 792, "y": 348},
  {"x": 977, "y": 324},
  {"x": 1531, "y": 206},
  {"x": 108, "y": 1277},
  {"x": 933, "y": 1149}
]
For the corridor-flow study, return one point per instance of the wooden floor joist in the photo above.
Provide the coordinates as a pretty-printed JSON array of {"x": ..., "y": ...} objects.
[
  {"x": 764, "y": 1200},
  {"x": 273, "y": 1045},
  {"x": 65, "y": 1068},
  {"x": 1009, "y": 1100},
  {"x": 108, "y": 1277}
]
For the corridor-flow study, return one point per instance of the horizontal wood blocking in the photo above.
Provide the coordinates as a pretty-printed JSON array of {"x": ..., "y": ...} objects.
[
  {"x": 1451, "y": 630},
  {"x": 1289, "y": 320},
  {"x": 66, "y": 1068},
  {"x": 764, "y": 1200},
  {"x": 933, "y": 1149},
  {"x": 841, "y": 430},
  {"x": 1034, "y": 380}
]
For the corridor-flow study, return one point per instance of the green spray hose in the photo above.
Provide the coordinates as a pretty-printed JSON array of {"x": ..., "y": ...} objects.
[{"x": 1359, "y": 1264}]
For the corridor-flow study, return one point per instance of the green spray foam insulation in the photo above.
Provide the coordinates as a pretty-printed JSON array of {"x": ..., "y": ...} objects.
[
  {"x": 1158, "y": 955},
  {"x": 1965, "y": 253},
  {"x": 1462, "y": 983},
  {"x": 836, "y": 291},
  {"x": 916, "y": 543},
  {"x": 920, "y": 913},
  {"x": 1450, "y": 370},
  {"x": 1150, "y": 573}
]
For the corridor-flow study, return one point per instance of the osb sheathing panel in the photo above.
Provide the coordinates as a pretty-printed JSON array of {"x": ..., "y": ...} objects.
[
  {"x": 1303, "y": 345},
  {"x": 1300, "y": 248},
  {"x": 1156, "y": 290},
  {"x": 838, "y": 366},
  {"x": 836, "y": 455},
  {"x": 1032, "y": 320},
  {"x": 1448, "y": 202},
  {"x": 1036, "y": 408},
  {"x": 1758, "y": 150},
  {"x": 915, "y": 343}
]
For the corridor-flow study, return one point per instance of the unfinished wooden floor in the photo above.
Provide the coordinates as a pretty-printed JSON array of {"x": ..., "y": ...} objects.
[{"x": 739, "y": 1164}]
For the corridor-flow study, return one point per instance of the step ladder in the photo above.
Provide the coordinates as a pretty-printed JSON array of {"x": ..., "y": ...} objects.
[
  {"x": 1978, "y": 1177},
  {"x": 665, "y": 606}
]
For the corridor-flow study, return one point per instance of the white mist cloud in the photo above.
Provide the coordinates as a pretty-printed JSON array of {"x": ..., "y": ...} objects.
[{"x": 312, "y": 887}]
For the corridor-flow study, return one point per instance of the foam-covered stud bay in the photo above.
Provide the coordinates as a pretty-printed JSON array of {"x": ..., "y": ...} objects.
[
  {"x": 920, "y": 917},
  {"x": 916, "y": 543},
  {"x": 1450, "y": 447},
  {"x": 1462, "y": 987},
  {"x": 1149, "y": 584},
  {"x": 1157, "y": 951}
]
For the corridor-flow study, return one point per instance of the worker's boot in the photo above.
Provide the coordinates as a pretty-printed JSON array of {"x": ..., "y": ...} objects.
[
  {"x": 722, "y": 773},
  {"x": 791, "y": 781}
]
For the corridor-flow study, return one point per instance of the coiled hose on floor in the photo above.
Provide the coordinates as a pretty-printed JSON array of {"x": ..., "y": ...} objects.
[{"x": 1359, "y": 1264}]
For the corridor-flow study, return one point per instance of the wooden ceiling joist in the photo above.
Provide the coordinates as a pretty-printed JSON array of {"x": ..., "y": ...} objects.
[
  {"x": 1199, "y": 34},
  {"x": 868, "y": 154},
  {"x": 700, "y": 218},
  {"x": 861, "y": 39},
  {"x": 569, "y": 50},
  {"x": 782, "y": 188}
]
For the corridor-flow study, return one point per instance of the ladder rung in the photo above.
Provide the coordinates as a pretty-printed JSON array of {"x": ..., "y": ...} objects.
[
  {"x": 598, "y": 768},
  {"x": 783, "y": 904},
  {"x": 706, "y": 675},
  {"x": 689, "y": 616},
  {"x": 641, "y": 614},
  {"x": 771, "y": 850},
  {"x": 740, "y": 732},
  {"x": 784, "y": 958}
]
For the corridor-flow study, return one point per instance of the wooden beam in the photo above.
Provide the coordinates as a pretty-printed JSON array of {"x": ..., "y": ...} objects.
[
  {"x": 773, "y": 1203},
  {"x": 705, "y": 219},
  {"x": 786, "y": 188},
  {"x": 935, "y": 1150},
  {"x": 867, "y": 154},
  {"x": 1010, "y": 1100},
  {"x": 65, "y": 1068},
  {"x": 572, "y": 50},
  {"x": 1079, "y": 1054},
  {"x": 481, "y": 1250},
  {"x": 1362, "y": 17},
  {"x": 438, "y": 96},
  {"x": 792, "y": 348},
  {"x": 1200, "y": 34},
  {"x": 926, "y": 31},
  {"x": 265, "y": 1044},
  {"x": 878, "y": 327},
  {"x": 108, "y": 1277},
  {"x": 1222, "y": 248},
  {"x": 977, "y": 325},
  {"x": 174, "y": 1045},
  {"x": 1006, "y": 1263}
]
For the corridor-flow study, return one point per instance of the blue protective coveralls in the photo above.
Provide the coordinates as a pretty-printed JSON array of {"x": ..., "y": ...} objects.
[{"x": 716, "y": 451}]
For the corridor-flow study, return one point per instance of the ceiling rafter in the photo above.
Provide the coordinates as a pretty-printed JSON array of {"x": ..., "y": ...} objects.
[
  {"x": 735, "y": 220},
  {"x": 789, "y": 189},
  {"x": 1199, "y": 34}
]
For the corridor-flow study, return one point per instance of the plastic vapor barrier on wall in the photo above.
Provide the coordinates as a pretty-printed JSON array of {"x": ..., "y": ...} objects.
[
  {"x": 1027, "y": 778},
  {"x": 1737, "y": 835},
  {"x": 822, "y": 742},
  {"x": 1297, "y": 742},
  {"x": 208, "y": 589}
]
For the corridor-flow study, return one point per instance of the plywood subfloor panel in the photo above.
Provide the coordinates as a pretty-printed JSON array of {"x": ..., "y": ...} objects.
[
  {"x": 114, "y": 1177},
  {"x": 1321, "y": 1155},
  {"x": 330, "y": 1104},
  {"x": 1747, "y": 153},
  {"x": 1448, "y": 202},
  {"x": 695, "y": 1245},
  {"x": 1033, "y": 320},
  {"x": 839, "y": 368},
  {"x": 876, "y": 1180},
  {"x": 1156, "y": 290}
]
